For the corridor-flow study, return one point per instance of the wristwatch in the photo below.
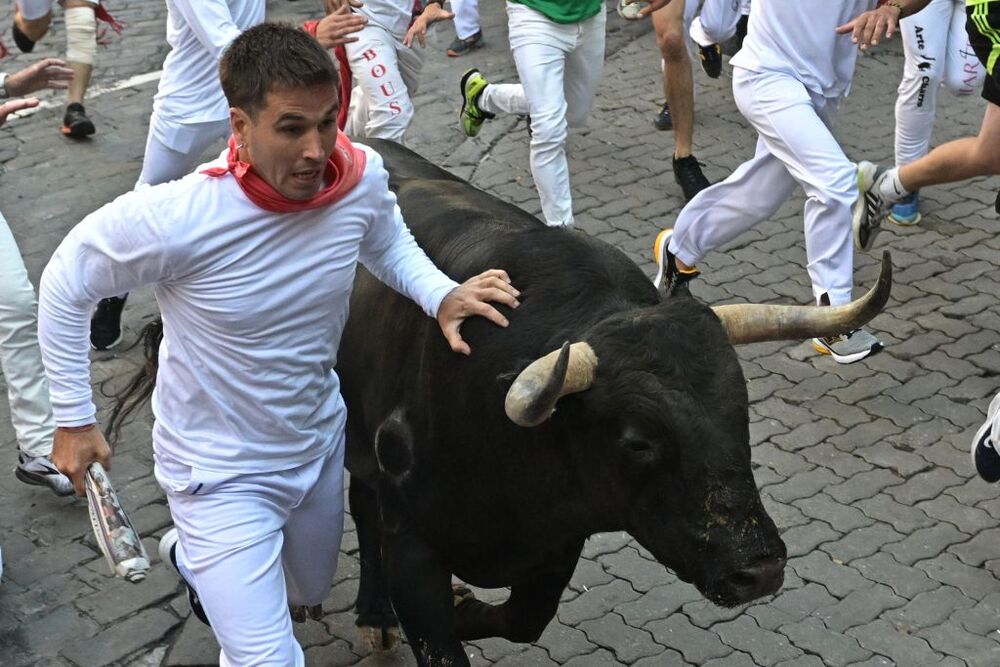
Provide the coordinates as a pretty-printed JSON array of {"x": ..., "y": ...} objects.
[{"x": 3, "y": 85}]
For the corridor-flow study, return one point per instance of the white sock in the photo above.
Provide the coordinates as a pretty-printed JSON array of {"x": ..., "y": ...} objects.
[{"x": 889, "y": 187}]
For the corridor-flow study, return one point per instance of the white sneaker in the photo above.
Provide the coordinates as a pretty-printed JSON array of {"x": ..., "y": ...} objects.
[
  {"x": 985, "y": 458},
  {"x": 40, "y": 471},
  {"x": 869, "y": 208},
  {"x": 167, "y": 549}
]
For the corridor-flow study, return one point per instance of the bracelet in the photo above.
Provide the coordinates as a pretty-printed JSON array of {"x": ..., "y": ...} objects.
[
  {"x": 77, "y": 429},
  {"x": 894, "y": 3}
]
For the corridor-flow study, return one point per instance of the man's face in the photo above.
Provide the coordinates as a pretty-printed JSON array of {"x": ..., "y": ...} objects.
[{"x": 291, "y": 138}]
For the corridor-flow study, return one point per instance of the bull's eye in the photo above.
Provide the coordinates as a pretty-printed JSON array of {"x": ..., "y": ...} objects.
[{"x": 637, "y": 447}]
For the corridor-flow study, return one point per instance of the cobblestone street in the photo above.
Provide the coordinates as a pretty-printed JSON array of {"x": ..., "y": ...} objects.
[{"x": 894, "y": 545}]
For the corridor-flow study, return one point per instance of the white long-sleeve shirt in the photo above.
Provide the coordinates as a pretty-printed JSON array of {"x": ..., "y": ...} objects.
[
  {"x": 796, "y": 37},
  {"x": 198, "y": 32},
  {"x": 253, "y": 306}
]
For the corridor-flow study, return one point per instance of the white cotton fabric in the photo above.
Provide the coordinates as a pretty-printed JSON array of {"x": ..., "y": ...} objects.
[
  {"x": 797, "y": 38},
  {"x": 253, "y": 306},
  {"x": 393, "y": 15},
  {"x": 466, "y": 17},
  {"x": 198, "y": 32}
]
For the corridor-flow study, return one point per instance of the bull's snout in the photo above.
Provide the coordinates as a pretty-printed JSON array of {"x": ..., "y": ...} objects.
[{"x": 756, "y": 580}]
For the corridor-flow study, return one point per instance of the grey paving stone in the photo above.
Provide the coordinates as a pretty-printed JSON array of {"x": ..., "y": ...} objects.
[
  {"x": 195, "y": 645},
  {"x": 659, "y": 602},
  {"x": 983, "y": 546},
  {"x": 835, "y": 649},
  {"x": 925, "y": 543},
  {"x": 974, "y": 582},
  {"x": 863, "y": 485},
  {"x": 900, "y": 459},
  {"x": 900, "y": 647},
  {"x": 121, "y": 639},
  {"x": 563, "y": 642},
  {"x": 929, "y": 609},
  {"x": 967, "y": 519},
  {"x": 791, "y": 606},
  {"x": 859, "y": 607},
  {"x": 696, "y": 645},
  {"x": 764, "y": 646},
  {"x": 627, "y": 643},
  {"x": 803, "y": 485},
  {"x": 641, "y": 573},
  {"x": 596, "y": 602},
  {"x": 861, "y": 542},
  {"x": 837, "y": 578},
  {"x": 952, "y": 639},
  {"x": 906, "y": 581}
]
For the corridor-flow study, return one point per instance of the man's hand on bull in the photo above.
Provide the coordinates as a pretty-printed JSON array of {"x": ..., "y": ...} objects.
[
  {"x": 432, "y": 13},
  {"x": 337, "y": 28},
  {"x": 333, "y": 5},
  {"x": 473, "y": 297},
  {"x": 73, "y": 450}
]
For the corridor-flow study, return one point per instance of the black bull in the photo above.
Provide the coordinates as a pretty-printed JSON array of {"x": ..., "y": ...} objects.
[
  {"x": 649, "y": 434},
  {"x": 603, "y": 407}
]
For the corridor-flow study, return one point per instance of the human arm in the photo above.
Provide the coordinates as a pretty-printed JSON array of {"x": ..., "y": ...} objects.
[
  {"x": 47, "y": 73},
  {"x": 211, "y": 22},
  {"x": 114, "y": 250},
  {"x": 7, "y": 108},
  {"x": 336, "y": 28},
  {"x": 433, "y": 12},
  {"x": 868, "y": 28},
  {"x": 391, "y": 253}
]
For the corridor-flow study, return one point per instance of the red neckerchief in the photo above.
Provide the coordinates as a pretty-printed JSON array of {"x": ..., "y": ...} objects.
[{"x": 343, "y": 171}]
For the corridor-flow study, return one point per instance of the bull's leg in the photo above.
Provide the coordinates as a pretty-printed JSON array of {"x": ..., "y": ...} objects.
[
  {"x": 523, "y": 617},
  {"x": 376, "y": 621},
  {"x": 420, "y": 587}
]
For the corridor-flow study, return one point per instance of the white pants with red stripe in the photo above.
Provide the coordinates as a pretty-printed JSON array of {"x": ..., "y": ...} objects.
[
  {"x": 251, "y": 545},
  {"x": 938, "y": 55},
  {"x": 559, "y": 66},
  {"x": 795, "y": 147},
  {"x": 386, "y": 74},
  {"x": 20, "y": 358}
]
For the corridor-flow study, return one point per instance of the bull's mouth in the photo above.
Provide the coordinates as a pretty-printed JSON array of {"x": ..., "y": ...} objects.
[{"x": 746, "y": 584}]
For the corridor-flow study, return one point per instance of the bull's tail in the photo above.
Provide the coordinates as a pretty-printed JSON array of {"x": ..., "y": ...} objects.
[{"x": 138, "y": 390}]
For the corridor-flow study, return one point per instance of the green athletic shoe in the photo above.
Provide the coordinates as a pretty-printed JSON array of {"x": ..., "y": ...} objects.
[{"x": 473, "y": 84}]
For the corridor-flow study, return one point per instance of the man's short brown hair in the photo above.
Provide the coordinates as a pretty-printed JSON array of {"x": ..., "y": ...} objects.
[{"x": 272, "y": 56}]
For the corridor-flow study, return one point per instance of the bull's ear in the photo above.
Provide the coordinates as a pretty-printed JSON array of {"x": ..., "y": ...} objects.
[{"x": 533, "y": 395}]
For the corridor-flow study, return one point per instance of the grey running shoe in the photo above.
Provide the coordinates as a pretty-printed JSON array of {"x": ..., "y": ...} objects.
[
  {"x": 869, "y": 208},
  {"x": 39, "y": 471},
  {"x": 850, "y": 347},
  {"x": 985, "y": 458}
]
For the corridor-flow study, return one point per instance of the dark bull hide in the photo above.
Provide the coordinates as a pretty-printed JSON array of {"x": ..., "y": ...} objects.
[
  {"x": 641, "y": 425},
  {"x": 603, "y": 407}
]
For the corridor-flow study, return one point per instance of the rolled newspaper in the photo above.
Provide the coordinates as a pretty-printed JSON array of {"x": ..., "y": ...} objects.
[{"x": 118, "y": 540}]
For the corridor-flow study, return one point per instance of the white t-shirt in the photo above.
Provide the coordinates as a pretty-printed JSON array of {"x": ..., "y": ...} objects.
[
  {"x": 253, "y": 306},
  {"x": 198, "y": 32},
  {"x": 393, "y": 15},
  {"x": 797, "y": 37}
]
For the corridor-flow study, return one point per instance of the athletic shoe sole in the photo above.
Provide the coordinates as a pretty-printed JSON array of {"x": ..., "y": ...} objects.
[
  {"x": 40, "y": 480},
  {"x": 465, "y": 101},
  {"x": 78, "y": 130},
  {"x": 821, "y": 347},
  {"x": 660, "y": 254},
  {"x": 904, "y": 222}
]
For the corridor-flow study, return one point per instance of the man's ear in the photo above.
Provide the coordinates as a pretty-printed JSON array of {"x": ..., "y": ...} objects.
[{"x": 239, "y": 120}]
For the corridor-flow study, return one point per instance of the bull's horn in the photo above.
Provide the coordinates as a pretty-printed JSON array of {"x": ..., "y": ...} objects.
[
  {"x": 753, "y": 323},
  {"x": 532, "y": 397}
]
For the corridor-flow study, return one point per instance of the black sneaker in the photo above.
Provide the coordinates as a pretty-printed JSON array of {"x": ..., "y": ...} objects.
[
  {"x": 996, "y": 204},
  {"x": 460, "y": 46},
  {"x": 75, "y": 122},
  {"x": 711, "y": 60},
  {"x": 663, "y": 121},
  {"x": 168, "y": 554},
  {"x": 674, "y": 281},
  {"x": 23, "y": 43},
  {"x": 687, "y": 173},
  {"x": 985, "y": 458},
  {"x": 106, "y": 323}
]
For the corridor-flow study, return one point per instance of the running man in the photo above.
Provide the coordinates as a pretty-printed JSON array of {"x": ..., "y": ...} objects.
[{"x": 252, "y": 261}]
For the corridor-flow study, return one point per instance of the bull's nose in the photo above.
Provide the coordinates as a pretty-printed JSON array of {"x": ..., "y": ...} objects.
[{"x": 757, "y": 579}]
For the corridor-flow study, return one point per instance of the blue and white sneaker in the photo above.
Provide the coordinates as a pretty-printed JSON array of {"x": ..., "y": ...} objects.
[
  {"x": 168, "y": 554},
  {"x": 905, "y": 212},
  {"x": 985, "y": 458}
]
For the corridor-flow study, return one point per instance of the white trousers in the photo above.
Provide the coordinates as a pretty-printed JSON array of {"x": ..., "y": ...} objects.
[
  {"x": 252, "y": 545},
  {"x": 466, "y": 17},
  {"x": 20, "y": 359},
  {"x": 36, "y": 9},
  {"x": 174, "y": 149},
  {"x": 559, "y": 66},
  {"x": 937, "y": 54},
  {"x": 386, "y": 73},
  {"x": 717, "y": 21},
  {"x": 795, "y": 147}
]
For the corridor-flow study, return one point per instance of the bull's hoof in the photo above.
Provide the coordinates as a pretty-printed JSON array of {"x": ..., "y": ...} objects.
[
  {"x": 377, "y": 639},
  {"x": 461, "y": 594}
]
